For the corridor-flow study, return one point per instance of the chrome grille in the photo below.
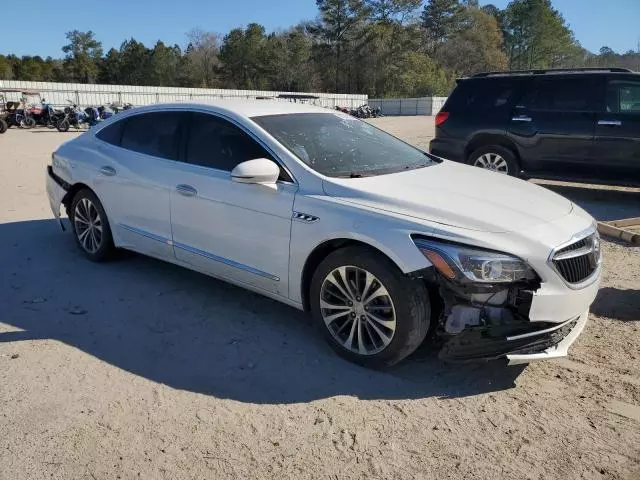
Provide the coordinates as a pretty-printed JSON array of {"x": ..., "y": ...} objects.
[{"x": 577, "y": 261}]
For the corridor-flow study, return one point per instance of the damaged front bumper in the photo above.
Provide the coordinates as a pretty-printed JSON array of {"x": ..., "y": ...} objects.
[
  {"x": 56, "y": 191},
  {"x": 487, "y": 323},
  {"x": 567, "y": 333},
  {"x": 538, "y": 342}
]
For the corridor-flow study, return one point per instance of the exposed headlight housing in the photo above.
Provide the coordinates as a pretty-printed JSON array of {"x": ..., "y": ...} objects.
[{"x": 473, "y": 265}]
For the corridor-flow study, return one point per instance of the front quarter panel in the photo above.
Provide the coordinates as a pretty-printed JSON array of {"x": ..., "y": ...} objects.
[{"x": 337, "y": 219}]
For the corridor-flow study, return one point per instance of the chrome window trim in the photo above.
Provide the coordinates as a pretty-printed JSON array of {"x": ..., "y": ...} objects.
[
  {"x": 576, "y": 238},
  {"x": 181, "y": 108},
  {"x": 202, "y": 253}
]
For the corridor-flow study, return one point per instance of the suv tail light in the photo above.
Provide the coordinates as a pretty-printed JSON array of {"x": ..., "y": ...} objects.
[{"x": 441, "y": 117}]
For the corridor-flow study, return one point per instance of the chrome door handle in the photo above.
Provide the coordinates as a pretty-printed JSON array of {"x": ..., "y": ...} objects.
[
  {"x": 186, "y": 190},
  {"x": 610, "y": 123},
  {"x": 521, "y": 118},
  {"x": 108, "y": 171}
]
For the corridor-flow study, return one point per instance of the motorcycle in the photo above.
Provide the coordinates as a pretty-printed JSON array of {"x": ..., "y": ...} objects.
[
  {"x": 106, "y": 111},
  {"x": 50, "y": 116},
  {"x": 46, "y": 115},
  {"x": 118, "y": 107},
  {"x": 77, "y": 117}
]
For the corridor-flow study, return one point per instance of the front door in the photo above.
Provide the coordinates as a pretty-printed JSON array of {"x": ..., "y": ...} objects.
[
  {"x": 554, "y": 123},
  {"x": 617, "y": 138},
  {"x": 235, "y": 231}
]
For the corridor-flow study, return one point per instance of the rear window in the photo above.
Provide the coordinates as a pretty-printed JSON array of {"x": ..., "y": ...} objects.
[
  {"x": 483, "y": 94},
  {"x": 111, "y": 134},
  {"x": 155, "y": 133}
]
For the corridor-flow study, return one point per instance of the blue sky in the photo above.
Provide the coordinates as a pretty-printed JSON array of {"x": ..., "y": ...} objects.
[{"x": 40, "y": 31}]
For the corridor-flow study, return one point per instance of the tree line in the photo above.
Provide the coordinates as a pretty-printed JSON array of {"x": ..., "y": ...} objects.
[{"x": 383, "y": 48}]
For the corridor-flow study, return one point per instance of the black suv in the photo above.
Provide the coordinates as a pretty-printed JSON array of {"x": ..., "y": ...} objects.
[{"x": 577, "y": 124}]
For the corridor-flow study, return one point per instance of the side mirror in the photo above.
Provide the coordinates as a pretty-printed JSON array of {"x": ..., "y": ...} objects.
[{"x": 259, "y": 171}]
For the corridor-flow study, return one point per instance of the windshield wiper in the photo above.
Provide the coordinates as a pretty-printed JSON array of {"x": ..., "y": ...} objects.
[{"x": 413, "y": 167}]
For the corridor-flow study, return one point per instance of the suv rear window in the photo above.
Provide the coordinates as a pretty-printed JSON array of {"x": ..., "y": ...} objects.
[{"x": 483, "y": 94}]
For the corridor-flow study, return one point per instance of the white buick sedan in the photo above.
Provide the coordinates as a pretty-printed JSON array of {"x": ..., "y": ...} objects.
[{"x": 385, "y": 244}]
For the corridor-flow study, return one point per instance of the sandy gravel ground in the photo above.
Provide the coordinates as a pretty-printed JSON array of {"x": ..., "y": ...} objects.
[{"x": 139, "y": 369}]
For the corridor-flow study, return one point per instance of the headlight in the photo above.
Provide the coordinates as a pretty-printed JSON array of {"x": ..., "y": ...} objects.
[{"x": 468, "y": 264}]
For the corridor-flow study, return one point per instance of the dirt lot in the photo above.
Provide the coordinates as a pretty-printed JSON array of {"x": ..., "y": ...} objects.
[{"x": 139, "y": 369}]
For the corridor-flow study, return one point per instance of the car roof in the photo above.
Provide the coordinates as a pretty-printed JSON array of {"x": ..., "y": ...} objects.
[{"x": 245, "y": 107}]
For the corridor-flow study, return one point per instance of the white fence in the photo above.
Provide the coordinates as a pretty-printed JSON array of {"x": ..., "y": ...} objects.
[
  {"x": 408, "y": 106},
  {"x": 89, "y": 94}
]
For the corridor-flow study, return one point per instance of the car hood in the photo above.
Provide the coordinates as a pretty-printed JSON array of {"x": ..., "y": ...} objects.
[{"x": 454, "y": 194}]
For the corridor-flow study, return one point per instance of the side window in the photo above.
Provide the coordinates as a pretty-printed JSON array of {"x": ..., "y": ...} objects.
[
  {"x": 486, "y": 94},
  {"x": 111, "y": 134},
  {"x": 155, "y": 133},
  {"x": 623, "y": 96},
  {"x": 561, "y": 94},
  {"x": 216, "y": 143}
]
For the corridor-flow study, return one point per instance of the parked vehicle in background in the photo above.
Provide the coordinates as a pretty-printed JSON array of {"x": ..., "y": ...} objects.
[
  {"x": 384, "y": 244},
  {"x": 4, "y": 112},
  {"x": 24, "y": 112},
  {"x": 27, "y": 119},
  {"x": 106, "y": 111},
  {"x": 50, "y": 115},
  {"x": 576, "y": 124},
  {"x": 75, "y": 116}
]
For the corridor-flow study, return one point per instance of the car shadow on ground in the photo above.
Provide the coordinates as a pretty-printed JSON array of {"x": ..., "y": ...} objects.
[
  {"x": 188, "y": 331},
  {"x": 618, "y": 304},
  {"x": 601, "y": 203}
]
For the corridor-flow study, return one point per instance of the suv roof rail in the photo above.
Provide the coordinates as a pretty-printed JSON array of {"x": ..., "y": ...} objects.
[{"x": 553, "y": 70}]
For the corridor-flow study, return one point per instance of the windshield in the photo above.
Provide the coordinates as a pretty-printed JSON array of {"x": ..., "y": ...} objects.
[{"x": 340, "y": 146}]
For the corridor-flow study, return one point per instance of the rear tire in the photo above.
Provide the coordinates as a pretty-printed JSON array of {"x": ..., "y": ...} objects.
[
  {"x": 3, "y": 126},
  {"x": 63, "y": 126},
  {"x": 91, "y": 226},
  {"x": 384, "y": 315},
  {"x": 495, "y": 158}
]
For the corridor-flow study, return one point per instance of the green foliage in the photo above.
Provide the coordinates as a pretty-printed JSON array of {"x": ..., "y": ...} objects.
[
  {"x": 440, "y": 20},
  {"x": 392, "y": 10},
  {"x": 83, "y": 53},
  {"x": 476, "y": 47},
  {"x": 338, "y": 30},
  {"x": 536, "y": 35},
  {"x": 382, "y": 48}
]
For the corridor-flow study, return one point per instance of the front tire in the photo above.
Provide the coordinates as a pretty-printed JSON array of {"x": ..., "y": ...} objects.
[
  {"x": 3, "y": 126},
  {"x": 495, "y": 158},
  {"x": 369, "y": 311},
  {"x": 91, "y": 226},
  {"x": 28, "y": 122}
]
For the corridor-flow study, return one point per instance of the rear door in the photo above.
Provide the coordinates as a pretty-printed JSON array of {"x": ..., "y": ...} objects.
[
  {"x": 138, "y": 156},
  {"x": 554, "y": 124},
  {"x": 617, "y": 135}
]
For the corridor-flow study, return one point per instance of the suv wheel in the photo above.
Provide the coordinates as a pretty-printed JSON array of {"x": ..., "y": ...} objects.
[
  {"x": 370, "y": 313},
  {"x": 496, "y": 159}
]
